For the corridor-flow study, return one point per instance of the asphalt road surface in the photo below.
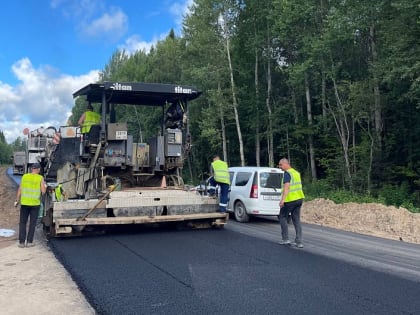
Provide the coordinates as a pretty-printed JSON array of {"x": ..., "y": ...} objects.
[{"x": 241, "y": 270}]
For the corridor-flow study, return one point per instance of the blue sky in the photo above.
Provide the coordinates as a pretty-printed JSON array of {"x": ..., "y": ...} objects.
[{"x": 51, "y": 48}]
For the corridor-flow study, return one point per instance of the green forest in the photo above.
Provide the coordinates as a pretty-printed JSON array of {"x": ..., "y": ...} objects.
[{"x": 332, "y": 85}]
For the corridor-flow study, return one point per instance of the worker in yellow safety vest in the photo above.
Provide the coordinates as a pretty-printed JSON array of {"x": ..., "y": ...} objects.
[
  {"x": 59, "y": 193},
  {"x": 31, "y": 187},
  {"x": 291, "y": 202},
  {"x": 220, "y": 172},
  {"x": 88, "y": 119}
]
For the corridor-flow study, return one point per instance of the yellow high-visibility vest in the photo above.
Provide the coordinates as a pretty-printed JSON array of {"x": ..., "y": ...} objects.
[
  {"x": 91, "y": 118},
  {"x": 30, "y": 190},
  {"x": 58, "y": 194},
  {"x": 221, "y": 172},
  {"x": 295, "y": 188}
]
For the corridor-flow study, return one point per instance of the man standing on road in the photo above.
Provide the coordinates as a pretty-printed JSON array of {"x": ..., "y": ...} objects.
[
  {"x": 29, "y": 197},
  {"x": 220, "y": 172},
  {"x": 291, "y": 202}
]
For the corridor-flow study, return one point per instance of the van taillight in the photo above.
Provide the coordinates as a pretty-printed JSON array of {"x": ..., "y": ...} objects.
[{"x": 254, "y": 191}]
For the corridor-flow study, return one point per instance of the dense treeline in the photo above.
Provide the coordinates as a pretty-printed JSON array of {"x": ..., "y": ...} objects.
[
  {"x": 332, "y": 85},
  {"x": 6, "y": 150}
]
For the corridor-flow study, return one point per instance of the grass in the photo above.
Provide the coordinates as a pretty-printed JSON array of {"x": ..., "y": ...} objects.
[{"x": 397, "y": 196}]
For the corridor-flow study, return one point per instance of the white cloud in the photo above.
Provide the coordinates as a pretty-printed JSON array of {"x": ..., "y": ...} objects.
[
  {"x": 40, "y": 99},
  {"x": 7, "y": 94},
  {"x": 179, "y": 10},
  {"x": 112, "y": 25},
  {"x": 93, "y": 19},
  {"x": 134, "y": 43},
  {"x": 78, "y": 10}
]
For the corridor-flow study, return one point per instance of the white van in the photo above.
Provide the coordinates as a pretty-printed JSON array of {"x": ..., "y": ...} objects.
[{"x": 254, "y": 191}]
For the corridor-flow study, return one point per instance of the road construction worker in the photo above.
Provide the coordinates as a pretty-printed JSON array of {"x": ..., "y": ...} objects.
[
  {"x": 88, "y": 119},
  {"x": 221, "y": 177},
  {"x": 175, "y": 116},
  {"x": 59, "y": 193},
  {"x": 291, "y": 202},
  {"x": 31, "y": 187}
]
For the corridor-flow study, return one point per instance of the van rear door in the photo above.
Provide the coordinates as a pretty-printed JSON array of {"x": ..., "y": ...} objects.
[{"x": 270, "y": 184}]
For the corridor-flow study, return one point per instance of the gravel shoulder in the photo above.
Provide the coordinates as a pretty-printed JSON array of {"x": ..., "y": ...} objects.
[{"x": 32, "y": 281}]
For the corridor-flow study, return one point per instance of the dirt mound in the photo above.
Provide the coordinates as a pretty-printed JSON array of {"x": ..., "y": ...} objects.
[{"x": 369, "y": 218}]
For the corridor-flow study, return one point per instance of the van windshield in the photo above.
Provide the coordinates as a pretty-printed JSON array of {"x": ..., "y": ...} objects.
[{"x": 271, "y": 180}]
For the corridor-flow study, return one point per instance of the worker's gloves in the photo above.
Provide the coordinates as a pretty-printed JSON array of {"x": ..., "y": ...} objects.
[{"x": 16, "y": 203}]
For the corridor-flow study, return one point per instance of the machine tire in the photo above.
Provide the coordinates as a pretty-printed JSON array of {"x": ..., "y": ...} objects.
[
  {"x": 51, "y": 232},
  {"x": 48, "y": 225},
  {"x": 240, "y": 212}
]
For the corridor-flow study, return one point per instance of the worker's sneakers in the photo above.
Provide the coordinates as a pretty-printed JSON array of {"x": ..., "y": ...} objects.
[
  {"x": 21, "y": 245},
  {"x": 284, "y": 242},
  {"x": 298, "y": 245},
  {"x": 30, "y": 244}
]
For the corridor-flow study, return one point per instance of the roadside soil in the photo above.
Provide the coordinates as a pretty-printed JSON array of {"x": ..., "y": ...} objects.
[
  {"x": 32, "y": 281},
  {"x": 9, "y": 215},
  {"x": 366, "y": 218}
]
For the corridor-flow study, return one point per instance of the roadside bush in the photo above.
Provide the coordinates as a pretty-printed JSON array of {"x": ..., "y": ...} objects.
[
  {"x": 316, "y": 189},
  {"x": 394, "y": 195}
]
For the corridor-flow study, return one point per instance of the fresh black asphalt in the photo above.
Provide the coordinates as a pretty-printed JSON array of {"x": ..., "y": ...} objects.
[{"x": 169, "y": 271}]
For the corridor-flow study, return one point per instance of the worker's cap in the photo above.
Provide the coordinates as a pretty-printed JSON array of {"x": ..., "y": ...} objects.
[{"x": 36, "y": 165}]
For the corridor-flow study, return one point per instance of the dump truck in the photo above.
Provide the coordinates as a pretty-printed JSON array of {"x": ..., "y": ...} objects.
[
  {"x": 19, "y": 162},
  {"x": 106, "y": 178},
  {"x": 37, "y": 143}
]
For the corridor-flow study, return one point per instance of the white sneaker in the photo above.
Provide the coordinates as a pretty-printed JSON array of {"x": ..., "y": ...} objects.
[
  {"x": 298, "y": 245},
  {"x": 284, "y": 242},
  {"x": 30, "y": 244}
]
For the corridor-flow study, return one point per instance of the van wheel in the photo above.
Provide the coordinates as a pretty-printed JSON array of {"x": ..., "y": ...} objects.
[{"x": 240, "y": 212}]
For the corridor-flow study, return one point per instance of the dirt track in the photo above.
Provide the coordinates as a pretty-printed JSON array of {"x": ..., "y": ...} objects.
[{"x": 9, "y": 215}]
